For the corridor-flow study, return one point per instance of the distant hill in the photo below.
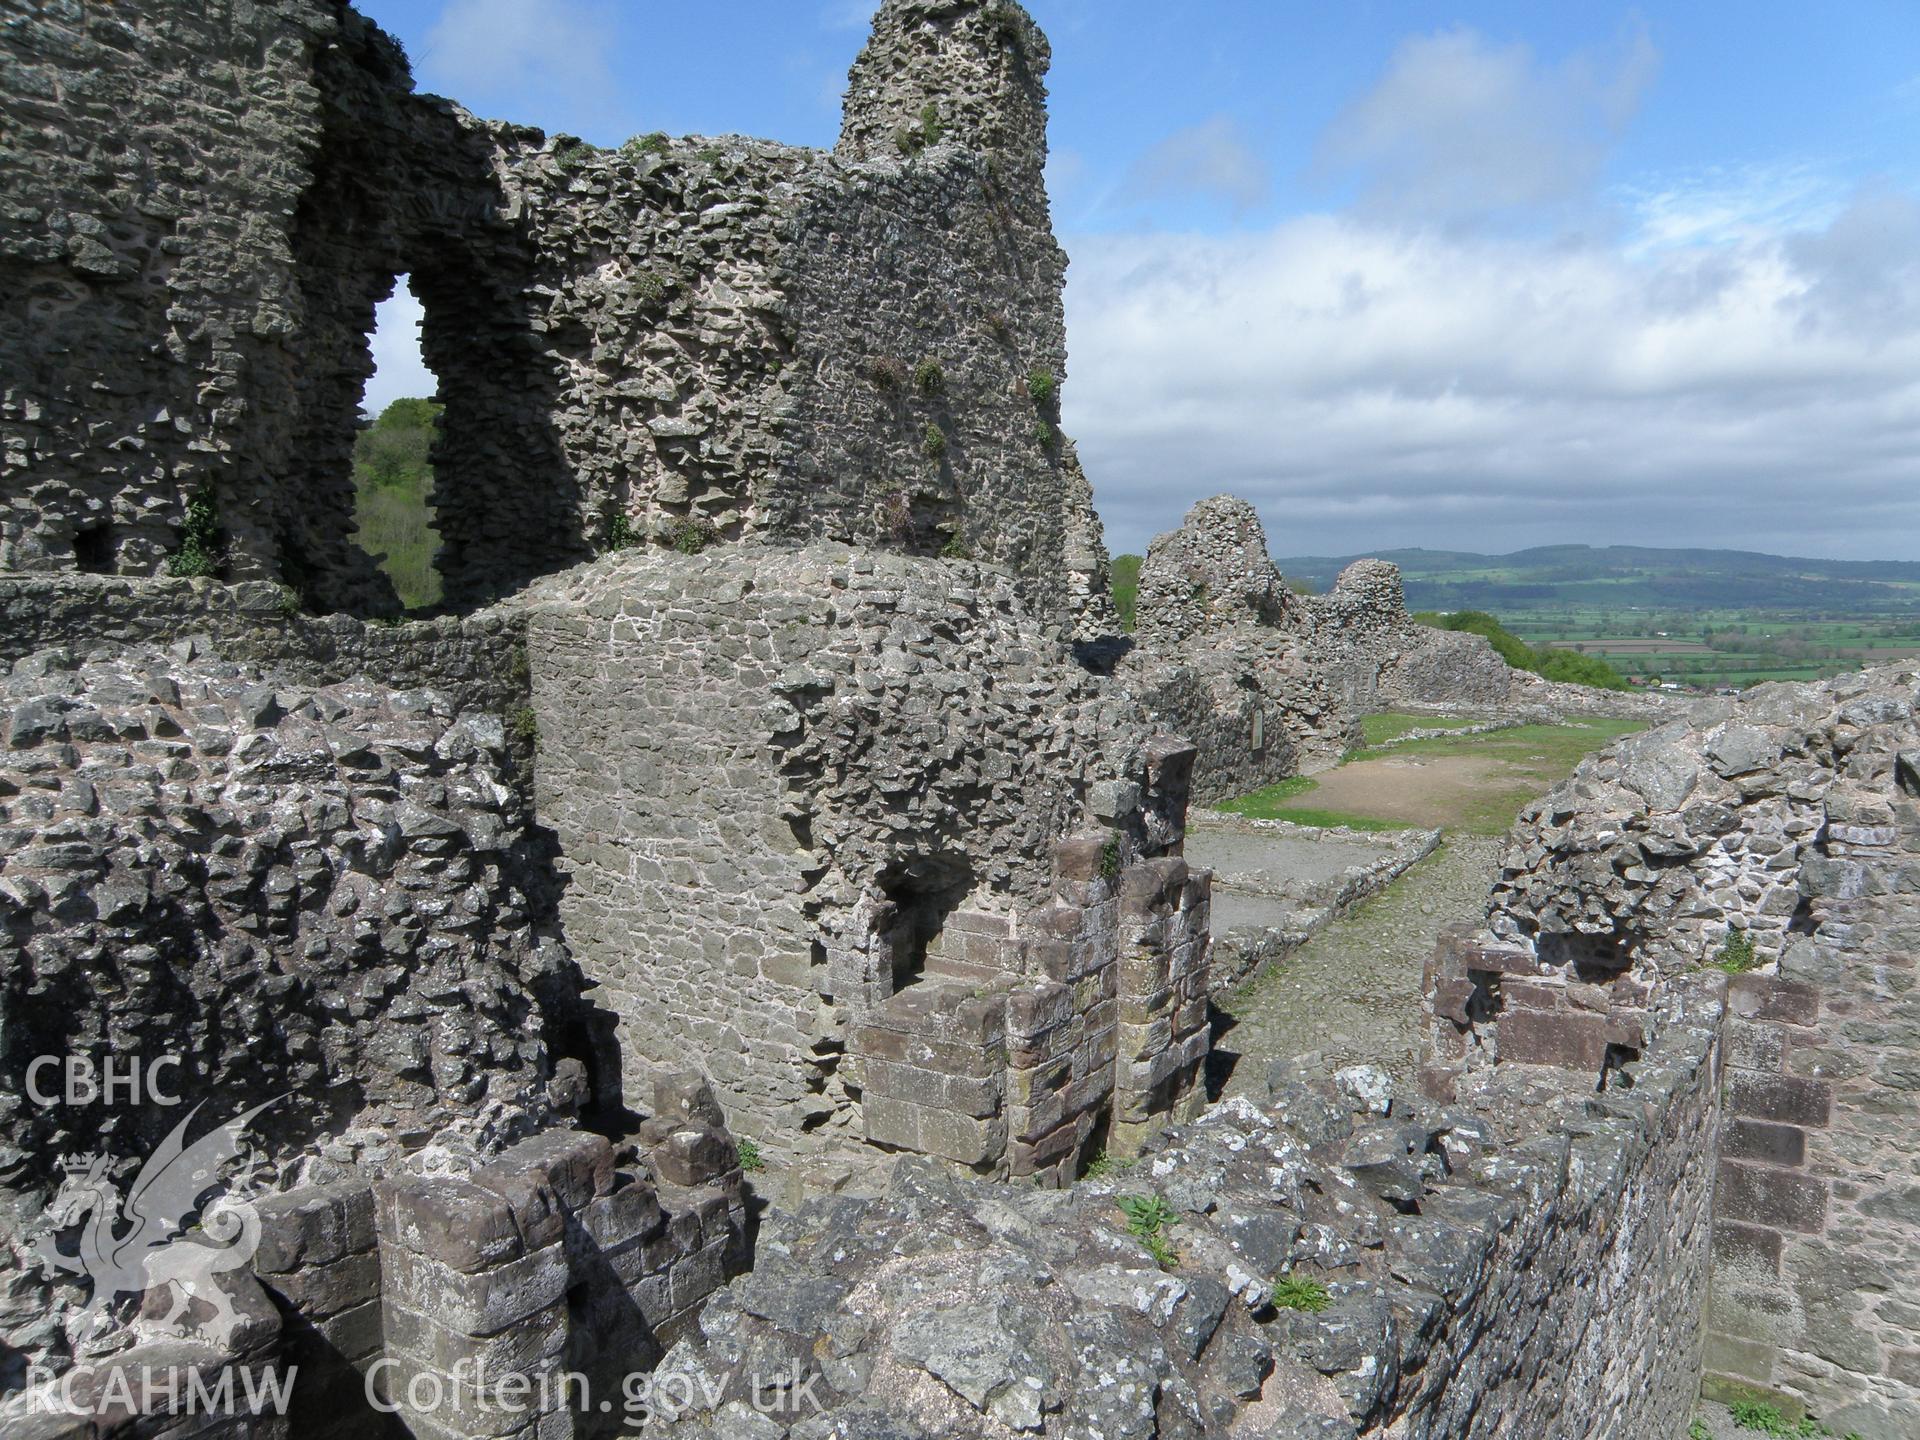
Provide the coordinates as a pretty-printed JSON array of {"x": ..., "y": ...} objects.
[{"x": 1620, "y": 577}]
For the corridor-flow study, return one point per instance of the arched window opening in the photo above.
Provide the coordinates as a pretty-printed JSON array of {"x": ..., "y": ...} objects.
[{"x": 392, "y": 454}]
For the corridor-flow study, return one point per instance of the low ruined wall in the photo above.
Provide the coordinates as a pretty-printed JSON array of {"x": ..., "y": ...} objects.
[
  {"x": 1774, "y": 837},
  {"x": 1239, "y": 952},
  {"x": 1530, "y": 1267},
  {"x": 1587, "y": 1317},
  {"x": 476, "y": 661}
]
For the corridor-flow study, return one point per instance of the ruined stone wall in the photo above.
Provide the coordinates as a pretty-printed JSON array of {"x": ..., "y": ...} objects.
[
  {"x": 475, "y": 661},
  {"x": 1268, "y": 683},
  {"x": 321, "y": 892},
  {"x": 150, "y": 331},
  {"x": 776, "y": 774},
  {"x": 672, "y": 342},
  {"x": 1786, "y": 821},
  {"x": 1530, "y": 1266}
]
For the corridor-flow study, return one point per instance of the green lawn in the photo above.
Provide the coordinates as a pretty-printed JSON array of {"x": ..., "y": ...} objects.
[
  {"x": 1391, "y": 725},
  {"x": 1275, "y": 803}
]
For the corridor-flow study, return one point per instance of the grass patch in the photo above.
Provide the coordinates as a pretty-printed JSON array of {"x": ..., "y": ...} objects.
[
  {"x": 1275, "y": 803},
  {"x": 1391, "y": 725},
  {"x": 1104, "y": 1165},
  {"x": 750, "y": 1156},
  {"x": 1297, "y": 1292},
  {"x": 1511, "y": 767}
]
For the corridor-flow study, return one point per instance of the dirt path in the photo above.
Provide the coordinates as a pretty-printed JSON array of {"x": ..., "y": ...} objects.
[
  {"x": 1426, "y": 791},
  {"x": 1353, "y": 991}
]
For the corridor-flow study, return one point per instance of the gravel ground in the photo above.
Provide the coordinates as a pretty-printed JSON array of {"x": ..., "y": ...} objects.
[
  {"x": 1353, "y": 991},
  {"x": 1265, "y": 857}
]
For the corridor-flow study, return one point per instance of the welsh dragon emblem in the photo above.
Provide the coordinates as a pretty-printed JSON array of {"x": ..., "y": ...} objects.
[{"x": 136, "y": 1243}]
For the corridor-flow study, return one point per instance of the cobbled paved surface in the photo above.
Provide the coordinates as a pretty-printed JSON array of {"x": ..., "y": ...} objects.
[{"x": 1353, "y": 991}]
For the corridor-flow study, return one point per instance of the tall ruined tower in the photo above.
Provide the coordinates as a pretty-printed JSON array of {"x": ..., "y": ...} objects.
[{"x": 981, "y": 65}]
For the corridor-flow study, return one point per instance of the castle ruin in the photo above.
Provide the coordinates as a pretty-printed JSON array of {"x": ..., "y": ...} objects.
[{"x": 775, "y": 781}]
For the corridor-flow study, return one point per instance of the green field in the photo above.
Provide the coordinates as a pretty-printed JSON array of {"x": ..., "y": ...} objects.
[
  {"x": 1702, "y": 619},
  {"x": 1476, "y": 783},
  {"x": 1711, "y": 649}
]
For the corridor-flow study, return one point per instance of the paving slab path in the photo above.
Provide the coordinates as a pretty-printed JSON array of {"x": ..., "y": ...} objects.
[{"x": 1352, "y": 992}]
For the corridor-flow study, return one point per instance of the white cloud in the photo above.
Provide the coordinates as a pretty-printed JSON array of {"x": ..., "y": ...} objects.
[
  {"x": 1371, "y": 386},
  {"x": 399, "y": 372},
  {"x": 544, "y": 56},
  {"x": 1214, "y": 160},
  {"x": 1731, "y": 205},
  {"x": 1460, "y": 129}
]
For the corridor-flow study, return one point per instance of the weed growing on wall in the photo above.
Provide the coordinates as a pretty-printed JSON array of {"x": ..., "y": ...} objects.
[
  {"x": 691, "y": 536},
  {"x": 1737, "y": 955},
  {"x": 1148, "y": 1219},
  {"x": 203, "y": 545},
  {"x": 620, "y": 532}
]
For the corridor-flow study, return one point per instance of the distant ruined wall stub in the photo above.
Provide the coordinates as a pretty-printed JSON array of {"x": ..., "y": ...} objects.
[{"x": 1225, "y": 655}]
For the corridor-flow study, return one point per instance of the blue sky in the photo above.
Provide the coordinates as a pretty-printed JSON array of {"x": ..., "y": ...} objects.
[{"x": 1463, "y": 275}]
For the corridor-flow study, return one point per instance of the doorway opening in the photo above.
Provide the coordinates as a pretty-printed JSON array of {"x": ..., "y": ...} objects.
[{"x": 922, "y": 893}]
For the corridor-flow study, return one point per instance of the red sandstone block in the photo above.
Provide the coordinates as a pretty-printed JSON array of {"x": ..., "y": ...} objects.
[
  {"x": 1572, "y": 1042},
  {"x": 1026, "y": 1157},
  {"x": 1542, "y": 995},
  {"x": 1746, "y": 1247},
  {"x": 1056, "y": 921},
  {"x": 1037, "y": 1008},
  {"x": 1449, "y": 999},
  {"x": 1080, "y": 858},
  {"x": 1494, "y": 957},
  {"x": 1777, "y": 1199},
  {"x": 1628, "y": 1028},
  {"x": 1597, "y": 999},
  {"x": 980, "y": 922},
  {"x": 1437, "y": 1083},
  {"x": 1055, "y": 959},
  {"x": 1759, "y": 1140},
  {"x": 1787, "y": 1099},
  {"x": 1762, "y": 997}
]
